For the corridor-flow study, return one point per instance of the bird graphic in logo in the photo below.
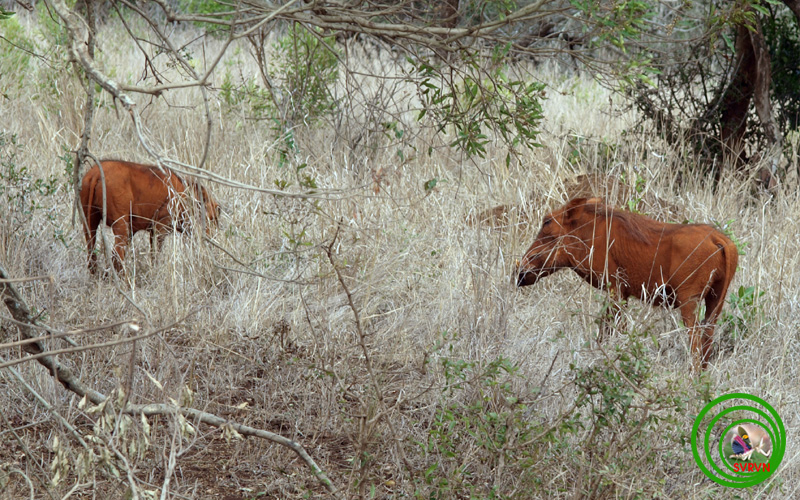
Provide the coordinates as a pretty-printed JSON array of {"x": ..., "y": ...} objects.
[{"x": 742, "y": 442}]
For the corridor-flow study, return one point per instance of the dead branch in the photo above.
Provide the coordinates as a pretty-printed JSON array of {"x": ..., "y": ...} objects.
[
  {"x": 78, "y": 37},
  {"x": 362, "y": 340},
  {"x": 26, "y": 324}
]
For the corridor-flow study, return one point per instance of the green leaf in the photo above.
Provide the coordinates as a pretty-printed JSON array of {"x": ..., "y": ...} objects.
[{"x": 728, "y": 42}]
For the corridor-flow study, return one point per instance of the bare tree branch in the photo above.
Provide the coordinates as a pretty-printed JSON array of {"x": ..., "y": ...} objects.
[{"x": 20, "y": 311}]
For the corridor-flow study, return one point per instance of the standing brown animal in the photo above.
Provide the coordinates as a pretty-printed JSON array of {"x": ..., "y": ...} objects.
[
  {"x": 676, "y": 265},
  {"x": 616, "y": 193},
  {"x": 501, "y": 217},
  {"x": 138, "y": 197},
  {"x": 607, "y": 187}
]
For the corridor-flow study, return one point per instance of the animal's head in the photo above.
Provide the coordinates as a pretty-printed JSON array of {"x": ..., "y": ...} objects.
[
  {"x": 563, "y": 241},
  {"x": 209, "y": 204}
]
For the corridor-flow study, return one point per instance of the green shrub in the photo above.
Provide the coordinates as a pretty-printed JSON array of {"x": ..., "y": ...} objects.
[
  {"x": 210, "y": 8},
  {"x": 50, "y": 27},
  {"x": 301, "y": 73},
  {"x": 15, "y": 55},
  {"x": 744, "y": 309},
  {"x": 612, "y": 419},
  {"x": 256, "y": 100},
  {"x": 782, "y": 34},
  {"x": 480, "y": 102},
  {"x": 479, "y": 424},
  {"x": 306, "y": 68},
  {"x": 23, "y": 196}
]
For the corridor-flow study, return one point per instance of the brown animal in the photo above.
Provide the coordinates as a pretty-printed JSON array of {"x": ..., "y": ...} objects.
[
  {"x": 615, "y": 193},
  {"x": 499, "y": 217},
  {"x": 138, "y": 197},
  {"x": 606, "y": 187},
  {"x": 628, "y": 254}
]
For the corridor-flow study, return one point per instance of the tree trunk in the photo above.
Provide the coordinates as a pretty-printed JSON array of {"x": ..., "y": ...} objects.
[
  {"x": 752, "y": 81},
  {"x": 736, "y": 102},
  {"x": 449, "y": 13}
]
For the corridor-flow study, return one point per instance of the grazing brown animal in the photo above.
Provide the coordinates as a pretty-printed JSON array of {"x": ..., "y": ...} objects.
[
  {"x": 608, "y": 188},
  {"x": 138, "y": 197},
  {"x": 628, "y": 254},
  {"x": 499, "y": 217},
  {"x": 615, "y": 193}
]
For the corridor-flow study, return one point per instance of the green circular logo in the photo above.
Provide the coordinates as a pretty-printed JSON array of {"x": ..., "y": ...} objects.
[{"x": 762, "y": 417}]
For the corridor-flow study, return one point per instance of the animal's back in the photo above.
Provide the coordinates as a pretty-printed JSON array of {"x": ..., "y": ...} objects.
[
  {"x": 654, "y": 253},
  {"x": 127, "y": 183},
  {"x": 702, "y": 245}
]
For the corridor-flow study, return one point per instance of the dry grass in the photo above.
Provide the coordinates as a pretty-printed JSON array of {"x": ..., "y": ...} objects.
[{"x": 283, "y": 351}]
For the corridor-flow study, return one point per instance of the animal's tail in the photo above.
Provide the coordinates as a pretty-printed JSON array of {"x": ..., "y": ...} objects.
[
  {"x": 731, "y": 253},
  {"x": 730, "y": 258}
]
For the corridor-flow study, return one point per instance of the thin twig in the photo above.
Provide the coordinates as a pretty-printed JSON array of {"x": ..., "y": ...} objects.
[{"x": 363, "y": 344}]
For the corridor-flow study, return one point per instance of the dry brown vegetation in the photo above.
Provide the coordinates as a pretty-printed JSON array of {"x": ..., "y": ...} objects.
[{"x": 370, "y": 324}]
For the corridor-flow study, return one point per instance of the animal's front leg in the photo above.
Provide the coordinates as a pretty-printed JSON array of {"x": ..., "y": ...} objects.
[
  {"x": 90, "y": 231},
  {"x": 610, "y": 315},
  {"x": 158, "y": 232}
]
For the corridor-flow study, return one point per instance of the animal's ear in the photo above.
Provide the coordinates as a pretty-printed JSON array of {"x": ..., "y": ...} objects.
[
  {"x": 573, "y": 209},
  {"x": 576, "y": 202}
]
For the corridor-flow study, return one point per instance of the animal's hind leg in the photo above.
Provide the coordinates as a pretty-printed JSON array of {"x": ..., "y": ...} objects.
[
  {"x": 696, "y": 334},
  {"x": 157, "y": 236},
  {"x": 121, "y": 229},
  {"x": 93, "y": 219},
  {"x": 158, "y": 232},
  {"x": 715, "y": 299}
]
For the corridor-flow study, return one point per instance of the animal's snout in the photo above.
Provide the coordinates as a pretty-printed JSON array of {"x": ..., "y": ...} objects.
[
  {"x": 519, "y": 274},
  {"x": 525, "y": 278}
]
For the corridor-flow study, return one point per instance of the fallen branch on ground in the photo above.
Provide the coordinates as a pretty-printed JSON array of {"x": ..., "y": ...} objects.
[{"x": 27, "y": 327}]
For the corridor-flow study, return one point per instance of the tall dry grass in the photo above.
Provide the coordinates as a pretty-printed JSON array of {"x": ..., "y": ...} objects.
[{"x": 400, "y": 402}]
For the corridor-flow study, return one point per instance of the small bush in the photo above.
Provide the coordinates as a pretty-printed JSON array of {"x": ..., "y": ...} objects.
[
  {"x": 481, "y": 102},
  {"x": 306, "y": 69},
  {"x": 744, "y": 309},
  {"x": 618, "y": 415},
  {"x": 15, "y": 56},
  {"x": 256, "y": 100},
  {"x": 24, "y": 196},
  {"x": 300, "y": 76},
  {"x": 782, "y": 34}
]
